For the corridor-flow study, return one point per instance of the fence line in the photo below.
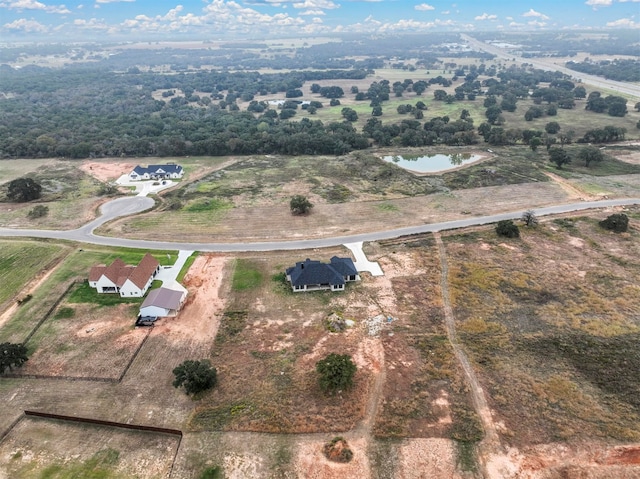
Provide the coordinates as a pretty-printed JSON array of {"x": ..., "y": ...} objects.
[
  {"x": 100, "y": 422},
  {"x": 51, "y": 309}
]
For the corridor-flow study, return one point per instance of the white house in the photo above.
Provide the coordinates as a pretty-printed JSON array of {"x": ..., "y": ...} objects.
[
  {"x": 162, "y": 302},
  {"x": 156, "y": 172},
  {"x": 126, "y": 280}
]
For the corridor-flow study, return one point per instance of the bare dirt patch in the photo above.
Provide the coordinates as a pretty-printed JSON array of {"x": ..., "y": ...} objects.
[
  {"x": 107, "y": 170},
  {"x": 421, "y": 458},
  {"x": 310, "y": 462},
  {"x": 199, "y": 317}
]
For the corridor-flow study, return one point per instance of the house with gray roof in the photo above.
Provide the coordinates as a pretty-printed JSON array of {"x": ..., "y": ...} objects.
[
  {"x": 162, "y": 302},
  {"x": 313, "y": 275},
  {"x": 157, "y": 172}
]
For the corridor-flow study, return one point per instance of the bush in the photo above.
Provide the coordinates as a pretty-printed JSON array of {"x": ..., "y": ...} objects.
[
  {"x": 507, "y": 228},
  {"x": 22, "y": 190},
  {"x": 336, "y": 372},
  {"x": 337, "y": 450},
  {"x": 618, "y": 222},
  {"x": 39, "y": 211},
  {"x": 300, "y": 205},
  {"x": 195, "y": 376}
]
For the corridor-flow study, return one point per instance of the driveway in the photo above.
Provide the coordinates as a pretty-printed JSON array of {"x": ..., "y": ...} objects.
[
  {"x": 169, "y": 274},
  {"x": 144, "y": 188},
  {"x": 362, "y": 263}
]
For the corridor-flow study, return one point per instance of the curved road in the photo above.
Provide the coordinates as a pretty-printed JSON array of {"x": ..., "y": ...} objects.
[{"x": 131, "y": 205}]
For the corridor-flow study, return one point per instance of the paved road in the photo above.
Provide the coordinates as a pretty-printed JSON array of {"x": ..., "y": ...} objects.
[
  {"x": 130, "y": 205},
  {"x": 547, "y": 64}
]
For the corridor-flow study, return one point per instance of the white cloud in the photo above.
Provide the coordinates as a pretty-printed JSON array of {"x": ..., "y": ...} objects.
[
  {"x": 25, "y": 25},
  {"x": 536, "y": 23},
  {"x": 21, "y": 5},
  {"x": 113, "y": 1},
  {"x": 226, "y": 16},
  {"x": 423, "y": 7},
  {"x": 486, "y": 16},
  {"x": 598, "y": 3},
  {"x": 326, "y": 4},
  {"x": 312, "y": 12},
  {"x": 91, "y": 24},
  {"x": 533, "y": 13},
  {"x": 624, "y": 22}
]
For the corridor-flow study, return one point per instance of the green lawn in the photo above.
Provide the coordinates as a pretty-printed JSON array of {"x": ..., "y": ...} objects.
[{"x": 20, "y": 261}]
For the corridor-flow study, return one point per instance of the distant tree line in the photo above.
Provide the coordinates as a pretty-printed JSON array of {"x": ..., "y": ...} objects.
[{"x": 618, "y": 69}]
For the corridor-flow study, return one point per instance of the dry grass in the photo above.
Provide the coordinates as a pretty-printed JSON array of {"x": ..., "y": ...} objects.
[
  {"x": 49, "y": 448},
  {"x": 552, "y": 323},
  {"x": 265, "y": 352},
  {"x": 96, "y": 342}
]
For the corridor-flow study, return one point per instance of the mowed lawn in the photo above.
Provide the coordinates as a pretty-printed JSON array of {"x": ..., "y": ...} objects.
[
  {"x": 27, "y": 262},
  {"x": 20, "y": 262}
]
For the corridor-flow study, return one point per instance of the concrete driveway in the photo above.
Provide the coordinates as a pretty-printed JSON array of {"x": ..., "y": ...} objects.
[
  {"x": 146, "y": 187},
  {"x": 169, "y": 274},
  {"x": 362, "y": 263}
]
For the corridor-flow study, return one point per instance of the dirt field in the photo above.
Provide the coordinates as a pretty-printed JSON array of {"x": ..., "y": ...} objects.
[
  {"x": 94, "y": 343},
  {"x": 107, "y": 170}
]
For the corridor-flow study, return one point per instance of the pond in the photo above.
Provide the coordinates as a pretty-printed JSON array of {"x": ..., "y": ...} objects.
[{"x": 432, "y": 163}]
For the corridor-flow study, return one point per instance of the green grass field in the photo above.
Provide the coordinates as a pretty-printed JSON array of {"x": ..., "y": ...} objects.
[
  {"x": 74, "y": 267},
  {"x": 21, "y": 261}
]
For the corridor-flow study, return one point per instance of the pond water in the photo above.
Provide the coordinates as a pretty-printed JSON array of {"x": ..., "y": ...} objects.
[{"x": 433, "y": 163}]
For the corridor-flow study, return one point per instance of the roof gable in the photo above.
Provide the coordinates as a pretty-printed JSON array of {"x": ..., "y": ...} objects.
[
  {"x": 118, "y": 272},
  {"x": 141, "y": 273},
  {"x": 314, "y": 272},
  {"x": 114, "y": 271},
  {"x": 163, "y": 298},
  {"x": 96, "y": 272},
  {"x": 344, "y": 266}
]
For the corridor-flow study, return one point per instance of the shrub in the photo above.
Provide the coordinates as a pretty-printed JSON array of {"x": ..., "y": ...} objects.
[
  {"x": 507, "y": 228},
  {"x": 336, "y": 372},
  {"x": 300, "y": 205},
  {"x": 337, "y": 450},
  {"x": 618, "y": 222},
  {"x": 195, "y": 376},
  {"x": 38, "y": 211}
]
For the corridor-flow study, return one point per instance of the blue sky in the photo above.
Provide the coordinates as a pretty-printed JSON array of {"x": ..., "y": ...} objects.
[{"x": 111, "y": 20}]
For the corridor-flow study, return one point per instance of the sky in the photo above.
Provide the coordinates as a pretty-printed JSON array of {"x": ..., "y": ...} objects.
[{"x": 115, "y": 20}]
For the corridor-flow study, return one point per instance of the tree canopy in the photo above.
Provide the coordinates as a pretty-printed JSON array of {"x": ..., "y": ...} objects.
[
  {"x": 590, "y": 154},
  {"x": 12, "y": 355},
  {"x": 22, "y": 190},
  {"x": 559, "y": 156},
  {"x": 335, "y": 372},
  {"x": 300, "y": 205},
  {"x": 618, "y": 222},
  {"x": 195, "y": 376},
  {"x": 507, "y": 228}
]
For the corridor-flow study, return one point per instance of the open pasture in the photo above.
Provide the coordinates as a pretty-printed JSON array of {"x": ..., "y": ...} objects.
[
  {"x": 552, "y": 322},
  {"x": 86, "y": 341},
  {"x": 48, "y": 448},
  {"x": 22, "y": 261}
]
